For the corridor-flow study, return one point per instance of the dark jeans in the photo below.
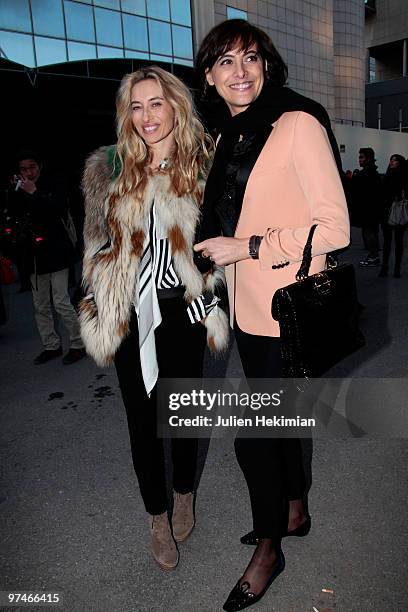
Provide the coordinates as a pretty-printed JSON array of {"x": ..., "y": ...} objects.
[
  {"x": 180, "y": 350},
  {"x": 371, "y": 240},
  {"x": 273, "y": 467},
  {"x": 24, "y": 262},
  {"x": 388, "y": 232},
  {"x": 3, "y": 314}
]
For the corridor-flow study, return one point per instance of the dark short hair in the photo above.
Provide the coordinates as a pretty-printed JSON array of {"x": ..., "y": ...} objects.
[
  {"x": 368, "y": 152},
  {"x": 28, "y": 154},
  {"x": 227, "y": 35},
  {"x": 399, "y": 158}
]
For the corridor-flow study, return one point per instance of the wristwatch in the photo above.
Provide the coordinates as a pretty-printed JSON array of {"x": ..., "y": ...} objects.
[{"x": 253, "y": 246}]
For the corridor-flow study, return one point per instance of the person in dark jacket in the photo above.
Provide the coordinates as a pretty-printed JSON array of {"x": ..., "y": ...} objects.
[
  {"x": 366, "y": 204},
  {"x": 3, "y": 314},
  {"x": 395, "y": 187},
  {"x": 38, "y": 211},
  {"x": 274, "y": 175}
]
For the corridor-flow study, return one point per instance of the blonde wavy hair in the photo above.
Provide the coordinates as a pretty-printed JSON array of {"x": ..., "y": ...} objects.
[{"x": 191, "y": 156}]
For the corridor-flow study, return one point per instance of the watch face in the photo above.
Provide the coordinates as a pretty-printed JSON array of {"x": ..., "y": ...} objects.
[{"x": 254, "y": 244}]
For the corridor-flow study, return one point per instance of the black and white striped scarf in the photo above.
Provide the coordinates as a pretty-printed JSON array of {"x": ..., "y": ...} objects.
[{"x": 157, "y": 272}]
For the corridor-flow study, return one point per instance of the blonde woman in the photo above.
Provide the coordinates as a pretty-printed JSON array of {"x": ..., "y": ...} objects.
[{"x": 146, "y": 300}]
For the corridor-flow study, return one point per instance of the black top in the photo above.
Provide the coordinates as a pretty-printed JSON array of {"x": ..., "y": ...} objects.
[
  {"x": 242, "y": 158},
  {"x": 395, "y": 186},
  {"x": 242, "y": 139}
]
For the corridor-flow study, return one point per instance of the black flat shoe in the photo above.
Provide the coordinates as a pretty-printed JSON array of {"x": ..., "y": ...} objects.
[
  {"x": 241, "y": 596},
  {"x": 250, "y": 538}
]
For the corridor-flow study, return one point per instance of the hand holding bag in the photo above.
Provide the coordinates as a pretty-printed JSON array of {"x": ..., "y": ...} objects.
[
  {"x": 399, "y": 212},
  {"x": 318, "y": 317}
]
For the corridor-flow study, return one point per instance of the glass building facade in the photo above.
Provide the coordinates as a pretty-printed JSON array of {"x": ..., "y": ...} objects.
[
  {"x": 42, "y": 32},
  {"x": 233, "y": 13}
]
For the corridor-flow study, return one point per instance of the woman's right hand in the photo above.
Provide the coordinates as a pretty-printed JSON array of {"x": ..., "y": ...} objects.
[{"x": 223, "y": 251}]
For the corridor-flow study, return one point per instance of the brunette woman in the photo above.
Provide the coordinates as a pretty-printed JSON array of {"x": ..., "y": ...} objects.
[
  {"x": 146, "y": 298},
  {"x": 395, "y": 187},
  {"x": 274, "y": 175}
]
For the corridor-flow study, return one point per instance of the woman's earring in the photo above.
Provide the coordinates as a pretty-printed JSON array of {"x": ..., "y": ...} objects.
[{"x": 266, "y": 69}]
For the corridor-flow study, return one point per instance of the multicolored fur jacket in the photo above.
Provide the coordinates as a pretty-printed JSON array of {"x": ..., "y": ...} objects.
[{"x": 114, "y": 233}]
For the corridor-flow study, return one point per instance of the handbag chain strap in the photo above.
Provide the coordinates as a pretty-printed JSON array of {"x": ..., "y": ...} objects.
[{"x": 303, "y": 271}]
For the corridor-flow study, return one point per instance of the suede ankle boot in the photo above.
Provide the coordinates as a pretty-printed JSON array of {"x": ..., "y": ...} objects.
[
  {"x": 164, "y": 548},
  {"x": 183, "y": 519}
]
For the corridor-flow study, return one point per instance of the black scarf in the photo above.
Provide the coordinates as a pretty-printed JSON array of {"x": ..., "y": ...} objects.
[{"x": 271, "y": 103}]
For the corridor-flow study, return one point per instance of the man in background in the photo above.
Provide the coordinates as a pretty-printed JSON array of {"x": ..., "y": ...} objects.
[
  {"x": 39, "y": 214},
  {"x": 366, "y": 190}
]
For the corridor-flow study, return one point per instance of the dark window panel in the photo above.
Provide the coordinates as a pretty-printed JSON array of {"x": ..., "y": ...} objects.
[
  {"x": 135, "y": 32},
  {"x": 180, "y": 12},
  {"x": 49, "y": 51},
  {"x": 138, "y": 7},
  {"x": 79, "y": 20},
  {"x": 182, "y": 43},
  {"x": 110, "y": 68},
  {"x": 111, "y": 4},
  {"x": 80, "y": 51},
  {"x": 108, "y": 27},
  {"x": 160, "y": 37},
  {"x": 158, "y": 9},
  {"x": 48, "y": 18},
  {"x": 18, "y": 48},
  {"x": 15, "y": 15},
  {"x": 109, "y": 52},
  {"x": 160, "y": 58},
  {"x": 136, "y": 54}
]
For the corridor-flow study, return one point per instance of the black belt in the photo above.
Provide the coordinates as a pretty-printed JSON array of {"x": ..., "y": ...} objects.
[{"x": 172, "y": 292}]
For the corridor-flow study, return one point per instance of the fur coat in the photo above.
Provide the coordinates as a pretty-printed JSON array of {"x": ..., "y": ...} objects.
[{"x": 114, "y": 233}]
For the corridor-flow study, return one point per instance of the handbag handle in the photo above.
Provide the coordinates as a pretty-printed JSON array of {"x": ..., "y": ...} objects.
[{"x": 303, "y": 271}]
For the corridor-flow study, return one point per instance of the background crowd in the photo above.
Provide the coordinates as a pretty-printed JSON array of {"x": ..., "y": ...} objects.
[
  {"x": 371, "y": 197},
  {"x": 41, "y": 237}
]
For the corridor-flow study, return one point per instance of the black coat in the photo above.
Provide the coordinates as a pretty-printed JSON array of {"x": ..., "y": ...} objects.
[
  {"x": 395, "y": 184},
  {"x": 366, "y": 197},
  {"x": 37, "y": 223}
]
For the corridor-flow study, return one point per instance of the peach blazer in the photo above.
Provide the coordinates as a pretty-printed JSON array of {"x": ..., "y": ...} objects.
[{"x": 293, "y": 184}]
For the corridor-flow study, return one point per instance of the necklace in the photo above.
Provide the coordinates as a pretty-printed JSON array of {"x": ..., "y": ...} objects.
[{"x": 164, "y": 164}]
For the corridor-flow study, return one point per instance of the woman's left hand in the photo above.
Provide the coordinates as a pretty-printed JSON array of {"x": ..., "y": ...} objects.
[{"x": 224, "y": 251}]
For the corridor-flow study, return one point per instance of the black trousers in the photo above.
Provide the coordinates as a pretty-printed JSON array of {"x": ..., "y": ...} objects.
[
  {"x": 180, "y": 350},
  {"x": 371, "y": 240},
  {"x": 272, "y": 467},
  {"x": 398, "y": 232}
]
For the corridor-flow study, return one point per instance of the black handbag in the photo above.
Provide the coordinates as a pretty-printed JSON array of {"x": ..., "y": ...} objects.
[{"x": 318, "y": 317}]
